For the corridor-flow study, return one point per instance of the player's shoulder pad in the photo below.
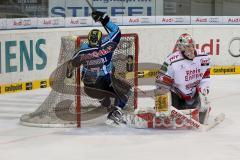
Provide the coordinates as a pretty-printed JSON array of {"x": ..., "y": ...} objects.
[
  {"x": 174, "y": 57},
  {"x": 84, "y": 46},
  {"x": 200, "y": 53},
  {"x": 204, "y": 58},
  {"x": 86, "y": 49}
]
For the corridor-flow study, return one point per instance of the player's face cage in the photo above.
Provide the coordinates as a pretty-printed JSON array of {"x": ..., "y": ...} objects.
[
  {"x": 184, "y": 41},
  {"x": 95, "y": 38}
]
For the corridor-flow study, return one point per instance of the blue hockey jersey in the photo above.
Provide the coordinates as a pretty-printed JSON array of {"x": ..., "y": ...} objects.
[{"x": 97, "y": 61}]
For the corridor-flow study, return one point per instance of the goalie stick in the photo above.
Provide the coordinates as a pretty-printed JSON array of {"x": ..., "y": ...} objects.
[
  {"x": 93, "y": 9},
  {"x": 201, "y": 127}
]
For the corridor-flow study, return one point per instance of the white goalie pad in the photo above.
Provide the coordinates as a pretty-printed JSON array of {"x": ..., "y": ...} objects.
[
  {"x": 174, "y": 119},
  {"x": 149, "y": 118}
]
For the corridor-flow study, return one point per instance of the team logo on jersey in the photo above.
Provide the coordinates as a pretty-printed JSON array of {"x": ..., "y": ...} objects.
[
  {"x": 204, "y": 62},
  {"x": 97, "y": 54},
  {"x": 162, "y": 78},
  {"x": 173, "y": 58}
]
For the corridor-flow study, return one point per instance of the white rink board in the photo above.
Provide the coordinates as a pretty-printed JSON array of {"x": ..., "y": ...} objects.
[{"x": 156, "y": 42}]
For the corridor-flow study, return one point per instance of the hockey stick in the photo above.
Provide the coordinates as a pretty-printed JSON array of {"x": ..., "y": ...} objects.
[
  {"x": 90, "y": 5},
  {"x": 93, "y": 9},
  {"x": 201, "y": 127}
]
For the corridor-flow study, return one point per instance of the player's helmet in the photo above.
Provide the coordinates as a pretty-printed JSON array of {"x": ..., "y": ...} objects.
[
  {"x": 95, "y": 38},
  {"x": 185, "y": 40}
]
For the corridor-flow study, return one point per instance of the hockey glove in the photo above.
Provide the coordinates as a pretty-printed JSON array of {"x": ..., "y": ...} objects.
[
  {"x": 100, "y": 17},
  {"x": 163, "y": 83}
]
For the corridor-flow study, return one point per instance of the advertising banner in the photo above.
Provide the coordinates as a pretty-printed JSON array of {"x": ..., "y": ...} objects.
[
  {"x": 173, "y": 20},
  {"x": 77, "y": 8},
  {"x": 117, "y": 20},
  {"x": 29, "y": 54},
  {"x": 21, "y": 23},
  {"x": 231, "y": 19},
  {"x": 140, "y": 20},
  {"x": 51, "y": 22},
  {"x": 221, "y": 70},
  {"x": 78, "y": 21},
  {"x": 29, "y": 23},
  {"x": 206, "y": 20}
]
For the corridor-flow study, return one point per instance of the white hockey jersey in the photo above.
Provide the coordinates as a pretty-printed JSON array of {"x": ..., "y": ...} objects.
[{"x": 184, "y": 76}]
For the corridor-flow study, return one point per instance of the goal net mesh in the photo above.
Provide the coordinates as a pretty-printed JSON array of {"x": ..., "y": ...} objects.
[{"x": 68, "y": 104}]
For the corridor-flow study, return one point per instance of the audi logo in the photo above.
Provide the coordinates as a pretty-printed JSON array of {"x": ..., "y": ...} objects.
[{"x": 234, "y": 47}]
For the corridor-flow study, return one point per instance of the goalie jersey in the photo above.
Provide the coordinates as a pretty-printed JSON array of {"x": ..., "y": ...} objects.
[{"x": 183, "y": 76}]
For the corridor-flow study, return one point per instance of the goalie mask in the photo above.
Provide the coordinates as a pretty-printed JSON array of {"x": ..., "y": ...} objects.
[
  {"x": 186, "y": 44},
  {"x": 95, "y": 38}
]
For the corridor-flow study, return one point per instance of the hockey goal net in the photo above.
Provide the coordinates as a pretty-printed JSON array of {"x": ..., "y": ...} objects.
[{"x": 68, "y": 105}]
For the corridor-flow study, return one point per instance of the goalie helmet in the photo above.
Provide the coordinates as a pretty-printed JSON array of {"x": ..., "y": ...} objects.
[
  {"x": 184, "y": 41},
  {"x": 186, "y": 45},
  {"x": 95, "y": 38}
]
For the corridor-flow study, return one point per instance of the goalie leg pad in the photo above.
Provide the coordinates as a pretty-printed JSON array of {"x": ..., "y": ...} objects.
[
  {"x": 203, "y": 116},
  {"x": 142, "y": 118},
  {"x": 146, "y": 118}
]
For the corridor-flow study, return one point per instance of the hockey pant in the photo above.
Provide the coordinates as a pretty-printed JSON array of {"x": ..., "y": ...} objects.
[
  {"x": 181, "y": 104},
  {"x": 104, "y": 88}
]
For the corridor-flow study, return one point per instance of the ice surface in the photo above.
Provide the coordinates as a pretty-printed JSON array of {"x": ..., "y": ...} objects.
[{"x": 96, "y": 141}]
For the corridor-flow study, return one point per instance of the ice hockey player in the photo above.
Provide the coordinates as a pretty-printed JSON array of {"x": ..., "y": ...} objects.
[
  {"x": 186, "y": 74},
  {"x": 98, "y": 70}
]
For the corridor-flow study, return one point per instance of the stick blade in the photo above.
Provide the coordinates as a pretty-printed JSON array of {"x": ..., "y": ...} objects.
[{"x": 217, "y": 120}]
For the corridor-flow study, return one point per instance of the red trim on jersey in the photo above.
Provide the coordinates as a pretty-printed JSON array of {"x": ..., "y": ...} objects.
[
  {"x": 165, "y": 79},
  {"x": 207, "y": 73}
]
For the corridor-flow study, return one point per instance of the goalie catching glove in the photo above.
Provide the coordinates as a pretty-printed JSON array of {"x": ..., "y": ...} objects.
[{"x": 100, "y": 17}]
